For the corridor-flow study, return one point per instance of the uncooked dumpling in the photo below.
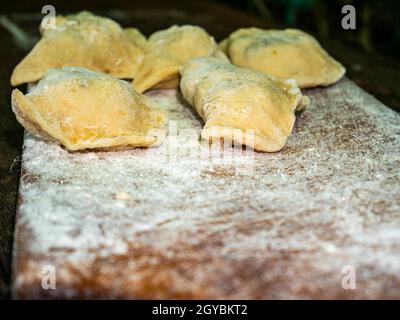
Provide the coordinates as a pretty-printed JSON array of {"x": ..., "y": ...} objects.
[
  {"x": 83, "y": 40},
  {"x": 241, "y": 105},
  {"x": 83, "y": 109},
  {"x": 167, "y": 50},
  {"x": 136, "y": 37},
  {"x": 284, "y": 54}
]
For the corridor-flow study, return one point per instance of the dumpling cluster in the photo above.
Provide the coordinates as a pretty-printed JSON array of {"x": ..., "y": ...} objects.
[{"x": 246, "y": 89}]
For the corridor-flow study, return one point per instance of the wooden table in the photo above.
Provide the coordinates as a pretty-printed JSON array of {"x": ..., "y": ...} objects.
[
  {"x": 186, "y": 220},
  {"x": 376, "y": 74}
]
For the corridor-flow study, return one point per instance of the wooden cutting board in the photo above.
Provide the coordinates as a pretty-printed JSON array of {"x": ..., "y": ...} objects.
[{"x": 320, "y": 219}]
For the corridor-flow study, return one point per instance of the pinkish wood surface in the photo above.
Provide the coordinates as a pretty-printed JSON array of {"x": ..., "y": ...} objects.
[{"x": 189, "y": 224}]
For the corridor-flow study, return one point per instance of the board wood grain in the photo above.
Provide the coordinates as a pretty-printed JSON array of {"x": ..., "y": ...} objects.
[{"x": 187, "y": 220}]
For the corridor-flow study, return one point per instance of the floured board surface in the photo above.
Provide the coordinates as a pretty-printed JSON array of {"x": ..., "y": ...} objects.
[{"x": 320, "y": 219}]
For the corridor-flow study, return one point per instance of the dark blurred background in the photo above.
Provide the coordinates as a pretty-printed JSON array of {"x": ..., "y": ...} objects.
[
  {"x": 377, "y": 27},
  {"x": 370, "y": 54},
  {"x": 378, "y": 22}
]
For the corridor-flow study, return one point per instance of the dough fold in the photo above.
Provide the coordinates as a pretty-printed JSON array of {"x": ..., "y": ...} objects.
[
  {"x": 241, "y": 105},
  {"x": 167, "y": 51},
  {"x": 83, "y": 40},
  {"x": 83, "y": 109},
  {"x": 289, "y": 53}
]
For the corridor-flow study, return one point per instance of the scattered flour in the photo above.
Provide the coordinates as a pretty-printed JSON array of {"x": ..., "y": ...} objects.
[{"x": 256, "y": 226}]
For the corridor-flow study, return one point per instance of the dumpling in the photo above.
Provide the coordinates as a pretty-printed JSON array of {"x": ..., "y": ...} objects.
[
  {"x": 241, "y": 105},
  {"x": 136, "y": 37},
  {"x": 167, "y": 50},
  {"x": 83, "y": 40},
  {"x": 284, "y": 54},
  {"x": 83, "y": 109}
]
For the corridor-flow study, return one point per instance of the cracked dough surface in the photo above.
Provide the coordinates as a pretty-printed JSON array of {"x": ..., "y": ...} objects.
[
  {"x": 83, "y": 109},
  {"x": 241, "y": 105},
  {"x": 167, "y": 51},
  {"x": 289, "y": 53},
  {"x": 83, "y": 40}
]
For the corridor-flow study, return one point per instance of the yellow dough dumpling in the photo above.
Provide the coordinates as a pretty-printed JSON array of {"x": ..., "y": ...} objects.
[
  {"x": 83, "y": 40},
  {"x": 289, "y": 53},
  {"x": 168, "y": 50},
  {"x": 241, "y": 105},
  {"x": 83, "y": 109},
  {"x": 136, "y": 37}
]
